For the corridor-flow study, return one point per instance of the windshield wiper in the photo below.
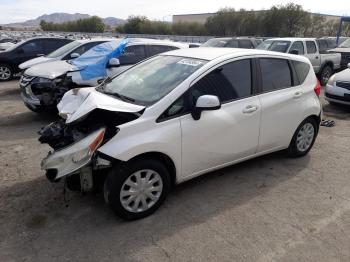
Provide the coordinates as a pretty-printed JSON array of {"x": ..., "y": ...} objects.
[{"x": 121, "y": 97}]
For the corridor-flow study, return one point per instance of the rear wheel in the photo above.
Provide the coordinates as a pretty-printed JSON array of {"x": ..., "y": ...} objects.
[
  {"x": 304, "y": 138},
  {"x": 6, "y": 72},
  {"x": 325, "y": 74},
  {"x": 137, "y": 189}
]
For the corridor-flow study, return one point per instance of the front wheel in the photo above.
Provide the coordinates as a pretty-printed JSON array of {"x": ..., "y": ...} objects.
[
  {"x": 6, "y": 72},
  {"x": 137, "y": 189},
  {"x": 325, "y": 75},
  {"x": 304, "y": 138}
]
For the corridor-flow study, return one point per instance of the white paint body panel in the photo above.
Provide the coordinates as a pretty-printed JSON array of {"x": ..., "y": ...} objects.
[{"x": 221, "y": 137}]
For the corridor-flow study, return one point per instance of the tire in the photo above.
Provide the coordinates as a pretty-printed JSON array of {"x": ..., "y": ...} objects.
[
  {"x": 6, "y": 72},
  {"x": 301, "y": 142},
  {"x": 136, "y": 205},
  {"x": 325, "y": 74}
]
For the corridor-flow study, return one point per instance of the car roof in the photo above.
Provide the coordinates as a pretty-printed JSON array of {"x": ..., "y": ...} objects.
[
  {"x": 157, "y": 41},
  {"x": 212, "y": 53},
  {"x": 84, "y": 41},
  {"x": 292, "y": 39}
]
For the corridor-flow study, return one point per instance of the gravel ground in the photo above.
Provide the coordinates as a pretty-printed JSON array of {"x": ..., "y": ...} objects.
[{"x": 268, "y": 209}]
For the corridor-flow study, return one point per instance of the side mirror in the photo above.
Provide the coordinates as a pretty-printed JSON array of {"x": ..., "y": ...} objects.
[
  {"x": 205, "y": 103},
  {"x": 349, "y": 65},
  {"x": 74, "y": 55},
  {"x": 294, "y": 52},
  {"x": 113, "y": 62}
]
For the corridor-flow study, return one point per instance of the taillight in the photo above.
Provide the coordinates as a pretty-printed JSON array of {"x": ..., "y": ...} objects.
[{"x": 317, "y": 88}]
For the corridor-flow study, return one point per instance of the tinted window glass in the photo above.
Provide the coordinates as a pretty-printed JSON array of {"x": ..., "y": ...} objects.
[
  {"x": 54, "y": 44},
  {"x": 82, "y": 49},
  {"x": 275, "y": 74},
  {"x": 302, "y": 70},
  {"x": 232, "y": 43},
  {"x": 229, "y": 82},
  {"x": 297, "y": 46},
  {"x": 245, "y": 44},
  {"x": 311, "y": 47},
  {"x": 331, "y": 43},
  {"x": 157, "y": 49},
  {"x": 132, "y": 55},
  {"x": 277, "y": 46},
  {"x": 33, "y": 47},
  {"x": 322, "y": 45}
]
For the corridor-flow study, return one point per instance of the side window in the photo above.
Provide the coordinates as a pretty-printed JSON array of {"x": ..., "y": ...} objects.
[
  {"x": 229, "y": 82},
  {"x": 302, "y": 69},
  {"x": 232, "y": 43},
  {"x": 275, "y": 74},
  {"x": 82, "y": 49},
  {"x": 298, "y": 46},
  {"x": 53, "y": 44},
  {"x": 245, "y": 44},
  {"x": 132, "y": 55},
  {"x": 157, "y": 49},
  {"x": 322, "y": 45},
  {"x": 33, "y": 47},
  {"x": 311, "y": 47}
]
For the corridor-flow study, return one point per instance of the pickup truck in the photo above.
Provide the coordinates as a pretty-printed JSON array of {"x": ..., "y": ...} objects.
[{"x": 324, "y": 62}]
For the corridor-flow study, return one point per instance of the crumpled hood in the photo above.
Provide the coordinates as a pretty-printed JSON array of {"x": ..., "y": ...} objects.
[
  {"x": 79, "y": 102},
  {"x": 343, "y": 76},
  {"x": 35, "y": 61},
  {"x": 50, "y": 70}
]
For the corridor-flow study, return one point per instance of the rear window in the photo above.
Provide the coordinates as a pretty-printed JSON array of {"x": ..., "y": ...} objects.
[
  {"x": 275, "y": 74},
  {"x": 302, "y": 69}
]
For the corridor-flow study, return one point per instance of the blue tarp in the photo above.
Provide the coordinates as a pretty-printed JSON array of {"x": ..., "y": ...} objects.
[{"x": 93, "y": 63}]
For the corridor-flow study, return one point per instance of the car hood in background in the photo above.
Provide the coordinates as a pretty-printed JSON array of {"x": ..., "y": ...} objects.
[
  {"x": 343, "y": 76},
  {"x": 341, "y": 50},
  {"x": 50, "y": 70},
  {"x": 35, "y": 61},
  {"x": 79, "y": 102}
]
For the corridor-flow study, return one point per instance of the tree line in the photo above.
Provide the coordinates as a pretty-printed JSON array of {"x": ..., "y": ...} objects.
[
  {"x": 279, "y": 21},
  {"x": 93, "y": 24}
]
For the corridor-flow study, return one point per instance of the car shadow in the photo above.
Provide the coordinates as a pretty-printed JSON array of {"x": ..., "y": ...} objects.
[
  {"x": 74, "y": 225},
  {"x": 337, "y": 111}
]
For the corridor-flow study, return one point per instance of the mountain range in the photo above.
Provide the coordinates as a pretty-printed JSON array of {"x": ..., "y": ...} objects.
[{"x": 61, "y": 18}]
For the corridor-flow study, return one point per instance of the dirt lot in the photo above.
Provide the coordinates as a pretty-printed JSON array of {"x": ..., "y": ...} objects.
[{"x": 269, "y": 209}]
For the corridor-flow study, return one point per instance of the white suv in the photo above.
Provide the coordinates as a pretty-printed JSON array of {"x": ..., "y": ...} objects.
[{"x": 178, "y": 115}]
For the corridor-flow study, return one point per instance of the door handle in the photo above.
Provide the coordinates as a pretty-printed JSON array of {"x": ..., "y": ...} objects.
[
  {"x": 316, "y": 57},
  {"x": 250, "y": 109}
]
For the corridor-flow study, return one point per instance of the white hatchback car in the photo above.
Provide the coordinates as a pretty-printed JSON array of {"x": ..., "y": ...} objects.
[{"x": 178, "y": 115}]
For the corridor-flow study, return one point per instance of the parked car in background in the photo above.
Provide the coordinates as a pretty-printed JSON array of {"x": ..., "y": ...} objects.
[
  {"x": 233, "y": 42},
  {"x": 179, "y": 115},
  {"x": 69, "y": 51},
  {"x": 12, "y": 57},
  {"x": 344, "y": 50},
  {"x": 338, "y": 88},
  {"x": 324, "y": 61},
  {"x": 43, "y": 85},
  {"x": 6, "y": 45}
]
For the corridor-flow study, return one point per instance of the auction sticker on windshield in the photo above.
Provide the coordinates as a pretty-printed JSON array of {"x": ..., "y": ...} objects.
[{"x": 190, "y": 62}]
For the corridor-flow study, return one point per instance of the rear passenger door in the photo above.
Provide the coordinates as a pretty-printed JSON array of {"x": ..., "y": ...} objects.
[
  {"x": 222, "y": 136},
  {"x": 29, "y": 50},
  {"x": 281, "y": 101},
  {"x": 313, "y": 55}
]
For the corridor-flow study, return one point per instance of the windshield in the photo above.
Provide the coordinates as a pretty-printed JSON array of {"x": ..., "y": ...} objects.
[
  {"x": 273, "y": 45},
  {"x": 64, "y": 49},
  {"x": 216, "y": 42},
  {"x": 15, "y": 46},
  {"x": 148, "y": 82},
  {"x": 345, "y": 44}
]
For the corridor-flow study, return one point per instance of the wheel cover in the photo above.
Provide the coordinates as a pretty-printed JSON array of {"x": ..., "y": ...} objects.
[
  {"x": 141, "y": 190},
  {"x": 305, "y": 137},
  {"x": 326, "y": 75},
  {"x": 5, "y": 72}
]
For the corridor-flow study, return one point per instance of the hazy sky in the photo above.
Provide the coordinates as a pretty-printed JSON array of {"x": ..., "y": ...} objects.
[{"x": 20, "y": 10}]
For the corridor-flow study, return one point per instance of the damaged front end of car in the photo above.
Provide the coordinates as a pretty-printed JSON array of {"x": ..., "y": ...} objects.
[{"x": 76, "y": 139}]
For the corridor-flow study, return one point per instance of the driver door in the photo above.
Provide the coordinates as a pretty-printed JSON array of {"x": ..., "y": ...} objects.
[{"x": 222, "y": 136}]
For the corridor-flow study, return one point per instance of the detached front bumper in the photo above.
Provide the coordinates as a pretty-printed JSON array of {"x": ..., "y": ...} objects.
[
  {"x": 69, "y": 160},
  {"x": 26, "y": 92}
]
